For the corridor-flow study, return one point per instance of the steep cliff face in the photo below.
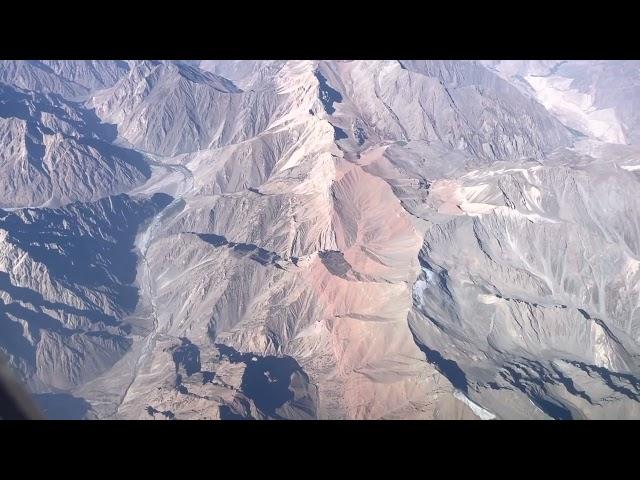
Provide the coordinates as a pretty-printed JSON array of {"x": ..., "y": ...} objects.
[
  {"x": 71, "y": 79},
  {"x": 168, "y": 108},
  {"x": 67, "y": 286},
  {"x": 317, "y": 239},
  {"x": 55, "y": 152},
  {"x": 529, "y": 288},
  {"x": 461, "y": 105}
]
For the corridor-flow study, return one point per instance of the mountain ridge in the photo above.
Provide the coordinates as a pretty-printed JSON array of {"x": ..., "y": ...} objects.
[{"x": 321, "y": 239}]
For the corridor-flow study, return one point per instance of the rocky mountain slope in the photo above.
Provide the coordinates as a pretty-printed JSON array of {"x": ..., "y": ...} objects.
[
  {"x": 55, "y": 152},
  {"x": 320, "y": 239}
]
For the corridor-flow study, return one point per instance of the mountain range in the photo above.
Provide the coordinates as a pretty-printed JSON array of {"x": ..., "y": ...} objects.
[{"x": 322, "y": 239}]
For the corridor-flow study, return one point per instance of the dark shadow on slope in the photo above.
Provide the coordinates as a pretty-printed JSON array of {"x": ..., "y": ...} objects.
[
  {"x": 622, "y": 383},
  {"x": 215, "y": 240},
  {"x": 168, "y": 414},
  {"x": 360, "y": 135},
  {"x": 23, "y": 352},
  {"x": 255, "y": 253},
  {"x": 62, "y": 406},
  {"x": 19, "y": 103},
  {"x": 90, "y": 130},
  {"x": 448, "y": 368},
  {"x": 111, "y": 153},
  {"x": 328, "y": 95},
  {"x": 335, "y": 262},
  {"x": 187, "y": 356},
  {"x": 227, "y": 414},
  {"x": 571, "y": 387},
  {"x": 339, "y": 134},
  {"x": 36, "y": 319},
  {"x": 266, "y": 380},
  {"x": 73, "y": 88},
  {"x": 13, "y": 340},
  {"x": 531, "y": 377},
  {"x": 256, "y": 191},
  {"x": 100, "y": 136},
  {"x": 26, "y": 295},
  {"x": 86, "y": 248},
  {"x": 89, "y": 244},
  {"x": 179, "y": 386},
  {"x": 554, "y": 410}
]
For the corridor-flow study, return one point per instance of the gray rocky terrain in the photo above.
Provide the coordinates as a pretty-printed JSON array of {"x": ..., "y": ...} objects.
[{"x": 322, "y": 239}]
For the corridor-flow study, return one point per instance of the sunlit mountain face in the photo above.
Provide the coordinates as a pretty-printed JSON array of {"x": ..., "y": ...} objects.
[{"x": 322, "y": 239}]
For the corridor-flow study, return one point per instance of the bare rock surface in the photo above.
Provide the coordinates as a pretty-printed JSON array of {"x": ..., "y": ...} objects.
[{"x": 321, "y": 239}]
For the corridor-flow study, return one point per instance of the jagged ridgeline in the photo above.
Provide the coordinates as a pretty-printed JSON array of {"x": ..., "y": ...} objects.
[{"x": 322, "y": 239}]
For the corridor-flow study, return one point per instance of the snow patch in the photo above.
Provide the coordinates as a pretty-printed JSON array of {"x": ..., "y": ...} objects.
[
  {"x": 576, "y": 109},
  {"x": 482, "y": 413}
]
